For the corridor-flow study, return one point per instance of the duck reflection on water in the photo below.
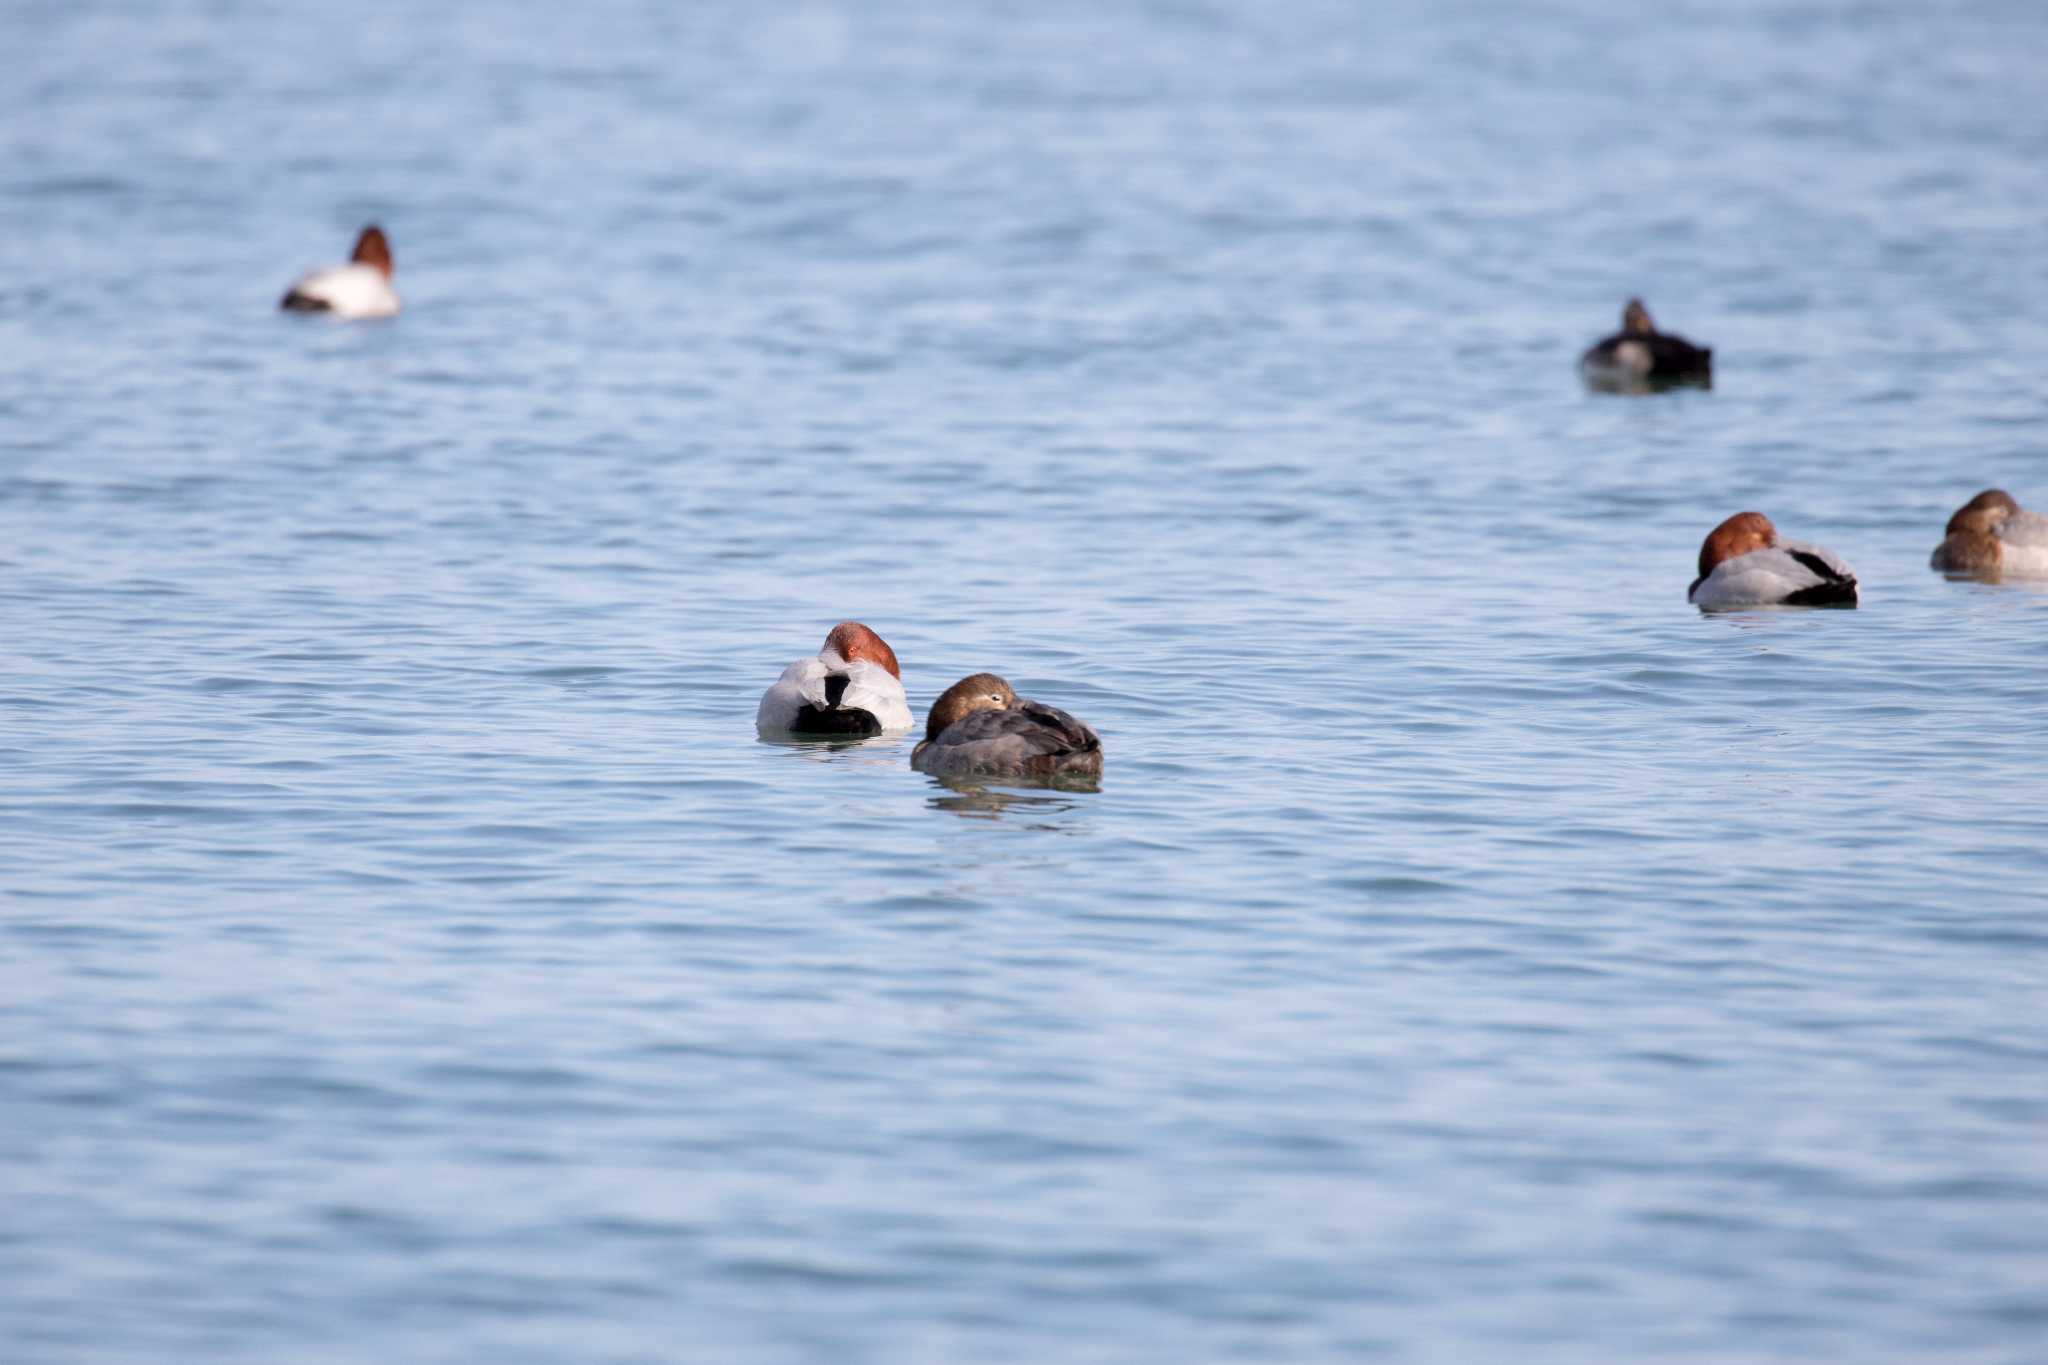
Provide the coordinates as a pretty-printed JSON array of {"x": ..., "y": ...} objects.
[{"x": 969, "y": 798}]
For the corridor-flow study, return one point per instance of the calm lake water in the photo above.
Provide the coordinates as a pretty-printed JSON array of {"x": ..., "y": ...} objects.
[{"x": 409, "y": 952}]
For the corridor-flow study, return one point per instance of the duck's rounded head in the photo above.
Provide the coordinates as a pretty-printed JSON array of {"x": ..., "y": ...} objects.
[
  {"x": 975, "y": 692},
  {"x": 1635, "y": 319},
  {"x": 373, "y": 250},
  {"x": 855, "y": 643},
  {"x": 1740, "y": 534},
  {"x": 1971, "y": 543},
  {"x": 1983, "y": 512}
]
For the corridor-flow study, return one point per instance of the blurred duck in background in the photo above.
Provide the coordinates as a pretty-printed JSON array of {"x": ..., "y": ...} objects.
[
  {"x": 360, "y": 289},
  {"x": 1992, "y": 536},
  {"x": 1639, "y": 357}
]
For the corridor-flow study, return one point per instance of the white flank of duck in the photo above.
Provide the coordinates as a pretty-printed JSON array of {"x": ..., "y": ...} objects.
[{"x": 360, "y": 289}]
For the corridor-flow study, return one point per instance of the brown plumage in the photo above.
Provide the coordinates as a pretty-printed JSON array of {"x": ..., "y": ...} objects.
[
  {"x": 980, "y": 727},
  {"x": 856, "y": 644},
  {"x": 1971, "y": 544},
  {"x": 1741, "y": 533},
  {"x": 373, "y": 249}
]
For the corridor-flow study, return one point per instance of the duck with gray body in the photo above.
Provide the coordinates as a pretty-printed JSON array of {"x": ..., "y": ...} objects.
[
  {"x": 980, "y": 727},
  {"x": 1639, "y": 356},
  {"x": 1744, "y": 563}
]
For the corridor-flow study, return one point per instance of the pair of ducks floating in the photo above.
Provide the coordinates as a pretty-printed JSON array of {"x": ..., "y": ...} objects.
[
  {"x": 1744, "y": 563},
  {"x": 1638, "y": 353},
  {"x": 1638, "y": 356},
  {"x": 979, "y": 727}
]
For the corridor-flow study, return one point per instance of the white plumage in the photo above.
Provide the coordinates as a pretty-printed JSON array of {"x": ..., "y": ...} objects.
[
  {"x": 360, "y": 289},
  {"x": 869, "y": 688},
  {"x": 348, "y": 291}
]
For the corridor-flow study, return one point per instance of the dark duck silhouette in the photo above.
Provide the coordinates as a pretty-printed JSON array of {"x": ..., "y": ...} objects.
[{"x": 1640, "y": 357}]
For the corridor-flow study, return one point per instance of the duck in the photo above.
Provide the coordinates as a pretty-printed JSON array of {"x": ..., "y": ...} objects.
[
  {"x": 1744, "y": 564},
  {"x": 980, "y": 727},
  {"x": 852, "y": 687},
  {"x": 1990, "y": 536},
  {"x": 1641, "y": 356},
  {"x": 360, "y": 289}
]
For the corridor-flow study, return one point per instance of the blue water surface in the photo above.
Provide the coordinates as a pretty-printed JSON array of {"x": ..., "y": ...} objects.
[{"x": 409, "y": 952}]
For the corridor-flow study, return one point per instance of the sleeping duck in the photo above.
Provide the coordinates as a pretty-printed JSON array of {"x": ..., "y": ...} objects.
[
  {"x": 980, "y": 727},
  {"x": 1991, "y": 536},
  {"x": 360, "y": 289},
  {"x": 851, "y": 687},
  {"x": 1744, "y": 564}
]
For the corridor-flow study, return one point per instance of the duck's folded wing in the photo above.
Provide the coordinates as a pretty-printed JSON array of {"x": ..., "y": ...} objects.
[
  {"x": 1676, "y": 352},
  {"x": 1059, "y": 730},
  {"x": 1814, "y": 576},
  {"x": 1016, "y": 737}
]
